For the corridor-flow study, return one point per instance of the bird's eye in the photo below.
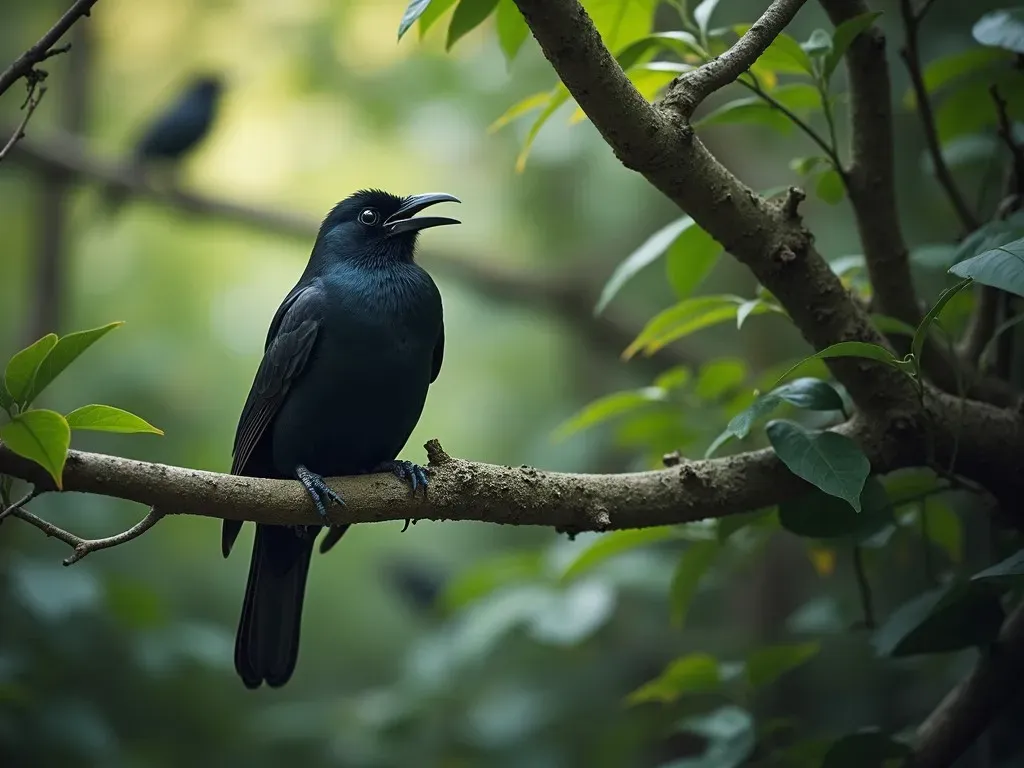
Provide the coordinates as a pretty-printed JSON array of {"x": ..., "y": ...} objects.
[{"x": 369, "y": 217}]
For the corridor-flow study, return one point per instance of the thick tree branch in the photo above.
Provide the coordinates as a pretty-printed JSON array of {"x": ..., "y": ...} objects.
[
  {"x": 44, "y": 49},
  {"x": 657, "y": 141},
  {"x": 912, "y": 58},
  {"x": 971, "y": 707},
  {"x": 566, "y": 293}
]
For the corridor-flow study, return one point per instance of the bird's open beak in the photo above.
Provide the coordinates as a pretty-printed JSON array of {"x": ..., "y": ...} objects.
[{"x": 402, "y": 221}]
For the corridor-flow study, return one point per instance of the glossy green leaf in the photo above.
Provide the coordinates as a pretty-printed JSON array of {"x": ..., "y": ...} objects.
[
  {"x": 67, "y": 350},
  {"x": 921, "y": 334},
  {"x": 817, "y": 515},
  {"x": 1009, "y": 571},
  {"x": 702, "y": 14},
  {"x": 843, "y": 37},
  {"x": 434, "y": 11},
  {"x": 107, "y": 418},
  {"x": 818, "y": 45},
  {"x": 989, "y": 236},
  {"x": 941, "y": 72},
  {"x": 620, "y": 22},
  {"x": 767, "y": 664},
  {"x": 957, "y": 616},
  {"x": 21, "y": 369},
  {"x": 729, "y": 734},
  {"x": 413, "y": 11},
  {"x": 609, "y": 545},
  {"x": 830, "y": 187},
  {"x": 609, "y": 407},
  {"x": 693, "y": 563},
  {"x": 849, "y": 349},
  {"x": 469, "y": 14},
  {"x": 41, "y": 436},
  {"x": 512, "y": 29},
  {"x": 1002, "y": 268},
  {"x": 865, "y": 749},
  {"x": 559, "y": 96},
  {"x": 783, "y": 56},
  {"x": 827, "y": 460},
  {"x": 1001, "y": 29},
  {"x": 684, "y": 318},
  {"x": 802, "y": 98},
  {"x": 892, "y": 326},
  {"x": 674, "y": 378},
  {"x": 649, "y": 250},
  {"x": 944, "y": 529},
  {"x": 690, "y": 259},
  {"x": 807, "y": 165},
  {"x": 520, "y": 108},
  {"x": 744, "y": 311},
  {"x": 696, "y": 673},
  {"x": 682, "y": 44}
]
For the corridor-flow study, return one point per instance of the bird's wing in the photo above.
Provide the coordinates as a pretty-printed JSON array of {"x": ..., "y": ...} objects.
[
  {"x": 290, "y": 340},
  {"x": 438, "y": 355}
]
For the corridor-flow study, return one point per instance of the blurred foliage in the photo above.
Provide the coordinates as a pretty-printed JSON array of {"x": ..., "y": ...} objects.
[{"x": 710, "y": 645}]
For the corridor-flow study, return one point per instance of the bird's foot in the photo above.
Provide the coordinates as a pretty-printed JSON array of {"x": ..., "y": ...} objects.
[
  {"x": 321, "y": 493},
  {"x": 411, "y": 473}
]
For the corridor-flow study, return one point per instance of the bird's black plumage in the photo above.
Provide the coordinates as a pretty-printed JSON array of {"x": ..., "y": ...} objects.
[
  {"x": 346, "y": 366},
  {"x": 183, "y": 124}
]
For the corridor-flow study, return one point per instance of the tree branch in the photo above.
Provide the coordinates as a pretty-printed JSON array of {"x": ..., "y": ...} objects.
[
  {"x": 969, "y": 708},
  {"x": 44, "y": 48},
  {"x": 83, "y": 547},
  {"x": 657, "y": 141},
  {"x": 722, "y": 70},
  {"x": 35, "y": 95},
  {"x": 912, "y": 58}
]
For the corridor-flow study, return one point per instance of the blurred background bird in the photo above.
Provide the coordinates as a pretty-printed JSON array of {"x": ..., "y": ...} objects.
[{"x": 174, "y": 133}]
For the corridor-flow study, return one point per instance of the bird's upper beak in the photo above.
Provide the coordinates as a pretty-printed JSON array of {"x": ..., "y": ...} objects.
[{"x": 402, "y": 221}]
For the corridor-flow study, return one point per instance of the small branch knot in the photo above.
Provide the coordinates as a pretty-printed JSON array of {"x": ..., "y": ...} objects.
[{"x": 436, "y": 457}]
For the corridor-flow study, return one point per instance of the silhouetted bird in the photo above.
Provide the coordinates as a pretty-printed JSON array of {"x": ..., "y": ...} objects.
[
  {"x": 344, "y": 376},
  {"x": 183, "y": 124},
  {"x": 177, "y": 130}
]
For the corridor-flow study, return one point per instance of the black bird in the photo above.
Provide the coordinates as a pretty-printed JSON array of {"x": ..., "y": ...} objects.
[
  {"x": 184, "y": 124},
  {"x": 347, "y": 363}
]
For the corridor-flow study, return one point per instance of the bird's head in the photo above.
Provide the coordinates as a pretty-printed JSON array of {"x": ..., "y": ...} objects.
[{"x": 378, "y": 227}]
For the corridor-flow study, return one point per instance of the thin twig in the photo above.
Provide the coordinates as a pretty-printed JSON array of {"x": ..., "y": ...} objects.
[
  {"x": 912, "y": 58},
  {"x": 20, "y": 503},
  {"x": 35, "y": 96},
  {"x": 82, "y": 546},
  {"x": 44, "y": 49},
  {"x": 812, "y": 134},
  {"x": 1006, "y": 134},
  {"x": 863, "y": 587}
]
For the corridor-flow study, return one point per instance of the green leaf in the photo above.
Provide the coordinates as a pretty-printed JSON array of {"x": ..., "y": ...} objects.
[
  {"x": 921, "y": 334},
  {"x": 766, "y": 665},
  {"x": 674, "y": 378},
  {"x": 817, "y": 515},
  {"x": 844, "y": 36},
  {"x": 685, "y": 318},
  {"x": 807, "y": 165},
  {"x": 68, "y": 349},
  {"x": 609, "y": 407},
  {"x": 107, "y": 418},
  {"x": 558, "y": 97},
  {"x": 1002, "y": 268},
  {"x": 719, "y": 377},
  {"x": 830, "y": 187},
  {"x": 970, "y": 108},
  {"x": 696, "y": 673},
  {"x": 433, "y": 12},
  {"x": 693, "y": 564},
  {"x": 702, "y": 14},
  {"x": 413, "y": 11},
  {"x": 1006, "y": 572},
  {"x": 945, "y": 70},
  {"x": 989, "y": 236},
  {"x": 620, "y": 22},
  {"x": 520, "y": 108},
  {"x": 866, "y": 749},
  {"x": 689, "y": 260},
  {"x": 745, "y": 310},
  {"x": 827, "y": 460},
  {"x": 469, "y": 14},
  {"x": 512, "y": 29},
  {"x": 849, "y": 349},
  {"x": 6, "y": 401},
  {"x": 608, "y": 545},
  {"x": 944, "y": 529},
  {"x": 491, "y": 574},
  {"x": 682, "y": 44},
  {"x": 729, "y": 734},
  {"x": 651, "y": 249},
  {"x": 1001, "y": 29},
  {"x": 21, "y": 369},
  {"x": 818, "y": 45},
  {"x": 892, "y": 326},
  {"x": 41, "y": 436},
  {"x": 752, "y": 110},
  {"x": 957, "y": 616},
  {"x": 802, "y": 98},
  {"x": 783, "y": 56}
]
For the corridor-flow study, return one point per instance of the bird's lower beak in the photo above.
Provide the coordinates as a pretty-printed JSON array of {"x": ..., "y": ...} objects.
[{"x": 402, "y": 221}]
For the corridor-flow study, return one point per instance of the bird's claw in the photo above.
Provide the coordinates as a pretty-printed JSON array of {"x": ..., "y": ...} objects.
[
  {"x": 411, "y": 473},
  {"x": 319, "y": 491}
]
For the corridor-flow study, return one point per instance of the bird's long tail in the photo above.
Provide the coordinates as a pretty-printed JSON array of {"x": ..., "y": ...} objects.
[{"x": 267, "y": 643}]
